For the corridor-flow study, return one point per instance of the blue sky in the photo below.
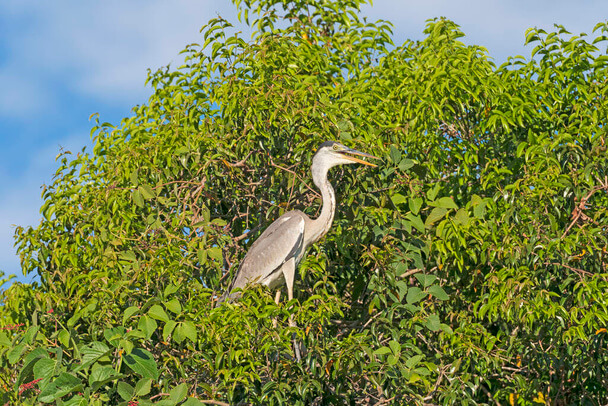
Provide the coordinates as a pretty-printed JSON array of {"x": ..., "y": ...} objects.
[{"x": 61, "y": 61}]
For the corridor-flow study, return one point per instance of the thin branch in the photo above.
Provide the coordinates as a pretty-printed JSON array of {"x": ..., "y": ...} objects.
[
  {"x": 246, "y": 234},
  {"x": 239, "y": 163},
  {"x": 214, "y": 402},
  {"x": 577, "y": 213},
  {"x": 488, "y": 394},
  {"x": 410, "y": 272},
  {"x": 369, "y": 321},
  {"x": 437, "y": 383},
  {"x": 296, "y": 175},
  {"x": 159, "y": 395},
  {"x": 577, "y": 270}
]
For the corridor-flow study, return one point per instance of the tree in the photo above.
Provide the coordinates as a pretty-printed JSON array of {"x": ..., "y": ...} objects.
[{"x": 469, "y": 268}]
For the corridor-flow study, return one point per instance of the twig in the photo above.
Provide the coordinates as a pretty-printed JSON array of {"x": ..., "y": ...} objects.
[
  {"x": 369, "y": 321},
  {"x": 296, "y": 175},
  {"x": 239, "y": 163},
  {"x": 214, "y": 402},
  {"x": 488, "y": 394},
  {"x": 577, "y": 213},
  {"x": 385, "y": 401},
  {"x": 413, "y": 271},
  {"x": 224, "y": 276},
  {"x": 159, "y": 395},
  {"x": 577, "y": 270},
  {"x": 513, "y": 369},
  {"x": 437, "y": 383},
  {"x": 409, "y": 273},
  {"x": 244, "y": 235}
]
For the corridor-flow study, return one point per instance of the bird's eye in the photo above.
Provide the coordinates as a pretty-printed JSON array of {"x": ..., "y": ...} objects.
[{"x": 335, "y": 147}]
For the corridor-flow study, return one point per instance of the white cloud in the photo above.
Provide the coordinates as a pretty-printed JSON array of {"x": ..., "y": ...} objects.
[
  {"x": 103, "y": 49},
  {"x": 497, "y": 25}
]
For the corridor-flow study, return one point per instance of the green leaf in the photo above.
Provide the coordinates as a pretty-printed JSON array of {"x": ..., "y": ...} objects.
[
  {"x": 215, "y": 253},
  {"x": 170, "y": 289},
  {"x": 128, "y": 256},
  {"x": 432, "y": 193},
  {"x": 126, "y": 344},
  {"x": 102, "y": 375},
  {"x": 14, "y": 355},
  {"x": 64, "y": 338},
  {"x": 395, "y": 155},
  {"x": 30, "y": 334},
  {"x": 425, "y": 280},
  {"x": 382, "y": 351},
  {"x": 413, "y": 361},
  {"x": 433, "y": 323},
  {"x": 143, "y": 387},
  {"x": 130, "y": 311},
  {"x": 415, "y": 204},
  {"x": 479, "y": 206},
  {"x": 4, "y": 340},
  {"x": 64, "y": 384},
  {"x": 462, "y": 217},
  {"x": 113, "y": 335},
  {"x": 189, "y": 330},
  {"x": 147, "y": 192},
  {"x": 398, "y": 199},
  {"x": 180, "y": 333},
  {"x": 125, "y": 391},
  {"x": 445, "y": 202},
  {"x": 148, "y": 325},
  {"x": 158, "y": 313},
  {"x": 438, "y": 292},
  {"x": 202, "y": 255},
  {"x": 395, "y": 347},
  {"x": 92, "y": 353},
  {"x": 137, "y": 198},
  {"x": 406, "y": 164},
  {"x": 44, "y": 368},
  {"x": 30, "y": 360},
  {"x": 179, "y": 393},
  {"x": 134, "y": 178},
  {"x": 436, "y": 214},
  {"x": 193, "y": 402},
  {"x": 174, "y": 306},
  {"x": 142, "y": 362},
  {"x": 416, "y": 222},
  {"x": 168, "y": 329},
  {"x": 414, "y": 295},
  {"x": 447, "y": 329},
  {"x": 76, "y": 400}
]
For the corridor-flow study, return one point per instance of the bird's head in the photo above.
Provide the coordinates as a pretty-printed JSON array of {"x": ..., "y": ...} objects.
[{"x": 332, "y": 153}]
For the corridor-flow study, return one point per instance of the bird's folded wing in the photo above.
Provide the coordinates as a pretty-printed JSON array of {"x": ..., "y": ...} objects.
[{"x": 279, "y": 242}]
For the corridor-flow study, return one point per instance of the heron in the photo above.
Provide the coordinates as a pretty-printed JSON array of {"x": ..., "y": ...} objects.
[{"x": 273, "y": 258}]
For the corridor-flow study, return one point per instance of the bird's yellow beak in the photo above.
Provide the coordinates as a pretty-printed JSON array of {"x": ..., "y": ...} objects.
[{"x": 351, "y": 152}]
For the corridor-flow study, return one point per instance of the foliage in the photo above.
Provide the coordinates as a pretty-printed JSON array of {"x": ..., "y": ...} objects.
[{"x": 469, "y": 268}]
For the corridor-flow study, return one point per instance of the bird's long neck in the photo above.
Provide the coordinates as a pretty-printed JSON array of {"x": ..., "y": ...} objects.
[{"x": 321, "y": 225}]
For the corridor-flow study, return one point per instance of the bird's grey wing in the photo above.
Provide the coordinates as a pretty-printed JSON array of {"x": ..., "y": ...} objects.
[{"x": 279, "y": 242}]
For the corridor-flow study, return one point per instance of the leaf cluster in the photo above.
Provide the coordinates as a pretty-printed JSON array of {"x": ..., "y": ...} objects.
[{"x": 469, "y": 268}]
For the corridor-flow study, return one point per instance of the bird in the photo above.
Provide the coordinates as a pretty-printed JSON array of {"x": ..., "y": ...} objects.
[{"x": 273, "y": 258}]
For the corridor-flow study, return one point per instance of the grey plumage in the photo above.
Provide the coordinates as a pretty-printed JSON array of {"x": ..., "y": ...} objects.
[{"x": 274, "y": 256}]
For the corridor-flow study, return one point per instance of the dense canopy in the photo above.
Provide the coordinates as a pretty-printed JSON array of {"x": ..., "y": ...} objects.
[{"x": 470, "y": 267}]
